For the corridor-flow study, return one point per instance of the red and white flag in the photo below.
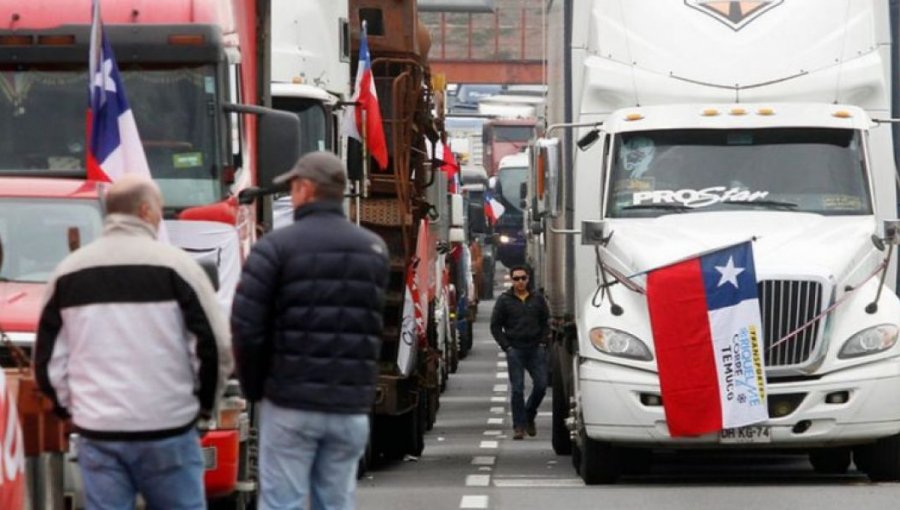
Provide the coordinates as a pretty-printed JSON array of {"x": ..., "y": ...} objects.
[
  {"x": 705, "y": 318},
  {"x": 493, "y": 209},
  {"x": 12, "y": 453},
  {"x": 114, "y": 146},
  {"x": 365, "y": 100}
]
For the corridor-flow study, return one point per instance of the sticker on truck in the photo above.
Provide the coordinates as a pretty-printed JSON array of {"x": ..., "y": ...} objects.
[{"x": 698, "y": 198}]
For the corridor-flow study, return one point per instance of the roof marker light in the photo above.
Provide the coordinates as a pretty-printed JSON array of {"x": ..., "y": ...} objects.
[
  {"x": 842, "y": 114},
  {"x": 633, "y": 117},
  {"x": 765, "y": 111},
  {"x": 710, "y": 112},
  {"x": 738, "y": 111}
]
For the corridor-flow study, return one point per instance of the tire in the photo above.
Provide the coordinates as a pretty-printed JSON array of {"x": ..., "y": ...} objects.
[
  {"x": 599, "y": 463},
  {"x": 884, "y": 465},
  {"x": 862, "y": 457},
  {"x": 560, "y": 437},
  {"x": 830, "y": 461},
  {"x": 636, "y": 461}
]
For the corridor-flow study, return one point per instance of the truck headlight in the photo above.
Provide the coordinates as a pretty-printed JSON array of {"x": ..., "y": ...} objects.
[
  {"x": 618, "y": 343},
  {"x": 870, "y": 341},
  {"x": 504, "y": 239}
]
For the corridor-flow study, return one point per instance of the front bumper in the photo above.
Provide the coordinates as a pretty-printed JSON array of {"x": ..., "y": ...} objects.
[{"x": 612, "y": 409}]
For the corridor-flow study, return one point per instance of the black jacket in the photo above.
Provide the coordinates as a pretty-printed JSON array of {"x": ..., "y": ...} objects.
[
  {"x": 307, "y": 315},
  {"x": 520, "y": 323}
]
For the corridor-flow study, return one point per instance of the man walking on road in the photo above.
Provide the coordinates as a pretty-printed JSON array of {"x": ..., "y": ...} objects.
[
  {"x": 307, "y": 323},
  {"x": 520, "y": 325},
  {"x": 133, "y": 346}
]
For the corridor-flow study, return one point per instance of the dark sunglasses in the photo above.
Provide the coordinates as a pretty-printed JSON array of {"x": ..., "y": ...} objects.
[{"x": 520, "y": 278}]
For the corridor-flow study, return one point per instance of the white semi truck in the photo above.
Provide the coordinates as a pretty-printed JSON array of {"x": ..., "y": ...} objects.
[{"x": 685, "y": 126}]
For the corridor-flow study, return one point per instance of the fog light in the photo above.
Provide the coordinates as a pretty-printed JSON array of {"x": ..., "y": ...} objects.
[
  {"x": 838, "y": 397},
  {"x": 781, "y": 409},
  {"x": 651, "y": 400}
]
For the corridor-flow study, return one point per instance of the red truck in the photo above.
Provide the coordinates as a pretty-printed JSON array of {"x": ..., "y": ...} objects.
[
  {"x": 501, "y": 137},
  {"x": 195, "y": 85}
]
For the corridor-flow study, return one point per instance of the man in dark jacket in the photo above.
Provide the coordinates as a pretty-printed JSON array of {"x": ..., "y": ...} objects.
[
  {"x": 520, "y": 325},
  {"x": 307, "y": 321}
]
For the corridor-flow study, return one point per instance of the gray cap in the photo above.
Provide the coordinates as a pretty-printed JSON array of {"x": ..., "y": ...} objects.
[{"x": 321, "y": 167}]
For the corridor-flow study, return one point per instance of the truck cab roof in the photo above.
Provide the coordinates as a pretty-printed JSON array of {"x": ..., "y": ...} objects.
[{"x": 518, "y": 160}]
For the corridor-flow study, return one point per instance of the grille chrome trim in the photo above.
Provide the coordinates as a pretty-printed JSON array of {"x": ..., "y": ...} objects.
[{"x": 785, "y": 305}]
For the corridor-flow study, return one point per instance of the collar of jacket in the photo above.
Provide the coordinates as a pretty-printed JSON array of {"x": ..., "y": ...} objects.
[
  {"x": 126, "y": 224},
  {"x": 323, "y": 206}
]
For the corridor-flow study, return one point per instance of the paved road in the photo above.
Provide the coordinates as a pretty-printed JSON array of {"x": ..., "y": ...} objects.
[{"x": 471, "y": 462}]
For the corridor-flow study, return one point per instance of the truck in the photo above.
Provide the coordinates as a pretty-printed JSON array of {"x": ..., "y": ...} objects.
[
  {"x": 509, "y": 184},
  {"x": 677, "y": 128},
  {"x": 191, "y": 72},
  {"x": 502, "y": 137},
  {"x": 408, "y": 205}
]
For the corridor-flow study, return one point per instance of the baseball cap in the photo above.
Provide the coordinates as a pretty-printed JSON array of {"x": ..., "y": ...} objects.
[{"x": 320, "y": 167}]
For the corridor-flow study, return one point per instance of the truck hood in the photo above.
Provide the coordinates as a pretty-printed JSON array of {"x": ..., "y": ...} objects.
[
  {"x": 785, "y": 242},
  {"x": 20, "y": 306}
]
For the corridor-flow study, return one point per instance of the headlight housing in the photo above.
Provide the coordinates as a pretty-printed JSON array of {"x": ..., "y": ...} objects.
[
  {"x": 870, "y": 341},
  {"x": 504, "y": 239},
  {"x": 619, "y": 343}
]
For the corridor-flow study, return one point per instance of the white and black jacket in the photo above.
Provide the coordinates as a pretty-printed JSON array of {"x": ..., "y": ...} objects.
[{"x": 131, "y": 342}]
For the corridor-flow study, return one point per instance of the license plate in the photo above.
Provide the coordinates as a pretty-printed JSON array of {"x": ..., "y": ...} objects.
[
  {"x": 210, "y": 458},
  {"x": 753, "y": 434}
]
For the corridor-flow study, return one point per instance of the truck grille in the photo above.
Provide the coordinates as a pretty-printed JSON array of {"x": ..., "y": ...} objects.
[{"x": 785, "y": 306}]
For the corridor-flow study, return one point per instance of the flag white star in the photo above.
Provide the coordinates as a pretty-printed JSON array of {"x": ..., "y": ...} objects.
[
  {"x": 729, "y": 273},
  {"x": 103, "y": 79}
]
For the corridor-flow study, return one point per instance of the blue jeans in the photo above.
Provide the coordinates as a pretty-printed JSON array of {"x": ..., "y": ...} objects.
[
  {"x": 534, "y": 360},
  {"x": 308, "y": 454},
  {"x": 168, "y": 473}
]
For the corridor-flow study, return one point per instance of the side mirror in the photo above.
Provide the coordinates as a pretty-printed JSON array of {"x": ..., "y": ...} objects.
[
  {"x": 278, "y": 140},
  {"x": 523, "y": 191},
  {"x": 211, "y": 270},
  {"x": 892, "y": 232},
  {"x": 548, "y": 174}
]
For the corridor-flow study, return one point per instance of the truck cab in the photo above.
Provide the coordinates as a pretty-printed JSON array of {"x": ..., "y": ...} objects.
[{"x": 510, "y": 181}]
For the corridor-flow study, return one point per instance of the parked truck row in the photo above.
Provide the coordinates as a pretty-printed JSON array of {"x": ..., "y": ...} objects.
[{"x": 227, "y": 94}]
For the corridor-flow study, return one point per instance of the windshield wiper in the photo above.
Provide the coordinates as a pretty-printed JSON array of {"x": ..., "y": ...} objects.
[
  {"x": 773, "y": 204},
  {"x": 670, "y": 207}
]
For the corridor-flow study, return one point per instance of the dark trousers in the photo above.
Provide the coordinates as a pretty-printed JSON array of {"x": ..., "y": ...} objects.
[{"x": 534, "y": 360}]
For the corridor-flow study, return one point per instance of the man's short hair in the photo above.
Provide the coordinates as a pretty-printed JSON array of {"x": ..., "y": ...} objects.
[
  {"x": 323, "y": 169},
  {"x": 127, "y": 195},
  {"x": 519, "y": 267}
]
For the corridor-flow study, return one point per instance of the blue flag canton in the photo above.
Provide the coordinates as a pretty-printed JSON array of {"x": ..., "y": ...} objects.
[
  {"x": 108, "y": 102},
  {"x": 729, "y": 276}
]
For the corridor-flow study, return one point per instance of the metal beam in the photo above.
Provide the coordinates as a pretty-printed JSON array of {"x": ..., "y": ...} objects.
[
  {"x": 490, "y": 71},
  {"x": 456, "y": 5}
]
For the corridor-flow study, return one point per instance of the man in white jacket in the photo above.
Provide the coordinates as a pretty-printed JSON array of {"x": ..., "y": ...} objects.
[{"x": 132, "y": 345}]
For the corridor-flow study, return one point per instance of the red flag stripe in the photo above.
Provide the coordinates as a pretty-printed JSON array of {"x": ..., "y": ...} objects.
[{"x": 687, "y": 368}]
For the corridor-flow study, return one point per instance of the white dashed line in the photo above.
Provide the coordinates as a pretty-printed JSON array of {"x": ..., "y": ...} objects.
[
  {"x": 502, "y": 364},
  {"x": 478, "y": 480},
  {"x": 487, "y": 460},
  {"x": 474, "y": 502},
  {"x": 486, "y": 468},
  {"x": 495, "y": 421},
  {"x": 501, "y": 375},
  {"x": 489, "y": 444},
  {"x": 501, "y": 354},
  {"x": 492, "y": 432},
  {"x": 539, "y": 482},
  {"x": 500, "y": 388},
  {"x": 498, "y": 399},
  {"x": 497, "y": 410}
]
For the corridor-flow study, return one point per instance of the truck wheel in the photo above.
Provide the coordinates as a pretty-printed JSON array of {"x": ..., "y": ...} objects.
[
  {"x": 862, "y": 457},
  {"x": 599, "y": 462},
  {"x": 830, "y": 461},
  {"x": 884, "y": 465},
  {"x": 562, "y": 442},
  {"x": 635, "y": 461}
]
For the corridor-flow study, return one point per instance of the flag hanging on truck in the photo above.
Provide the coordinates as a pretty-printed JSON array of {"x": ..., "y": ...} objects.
[
  {"x": 365, "y": 101},
  {"x": 114, "y": 146},
  {"x": 705, "y": 318},
  {"x": 493, "y": 209}
]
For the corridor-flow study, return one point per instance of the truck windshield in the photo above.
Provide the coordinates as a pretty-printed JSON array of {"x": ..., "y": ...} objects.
[
  {"x": 513, "y": 133},
  {"x": 42, "y": 125},
  {"x": 313, "y": 122},
  {"x": 510, "y": 180},
  {"x": 812, "y": 170},
  {"x": 38, "y": 233}
]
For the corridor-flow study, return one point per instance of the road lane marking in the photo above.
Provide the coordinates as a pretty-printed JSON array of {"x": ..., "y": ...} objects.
[
  {"x": 501, "y": 354},
  {"x": 501, "y": 375},
  {"x": 478, "y": 480},
  {"x": 500, "y": 388},
  {"x": 489, "y": 444},
  {"x": 498, "y": 399},
  {"x": 497, "y": 410},
  {"x": 476, "y": 502},
  {"x": 487, "y": 460},
  {"x": 485, "y": 468},
  {"x": 492, "y": 432},
  {"x": 538, "y": 482},
  {"x": 495, "y": 421}
]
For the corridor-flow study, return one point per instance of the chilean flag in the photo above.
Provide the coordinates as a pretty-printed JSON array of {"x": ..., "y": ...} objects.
[
  {"x": 114, "y": 146},
  {"x": 493, "y": 209},
  {"x": 366, "y": 100},
  {"x": 704, "y": 314}
]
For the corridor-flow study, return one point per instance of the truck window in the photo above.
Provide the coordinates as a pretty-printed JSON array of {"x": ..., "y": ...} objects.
[
  {"x": 513, "y": 133},
  {"x": 313, "y": 122},
  {"x": 38, "y": 233},
  {"x": 817, "y": 170},
  {"x": 42, "y": 125}
]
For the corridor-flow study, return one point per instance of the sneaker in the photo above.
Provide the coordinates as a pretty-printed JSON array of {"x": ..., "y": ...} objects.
[
  {"x": 531, "y": 429},
  {"x": 519, "y": 434}
]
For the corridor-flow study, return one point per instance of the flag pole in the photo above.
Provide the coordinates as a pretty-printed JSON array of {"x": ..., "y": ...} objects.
[{"x": 365, "y": 159}]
